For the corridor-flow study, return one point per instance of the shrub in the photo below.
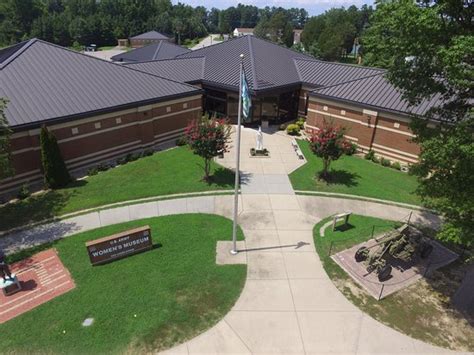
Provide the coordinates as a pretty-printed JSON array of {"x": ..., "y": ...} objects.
[
  {"x": 375, "y": 159},
  {"x": 54, "y": 169},
  {"x": 282, "y": 127},
  {"x": 385, "y": 162},
  {"x": 136, "y": 156},
  {"x": 103, "y": 167},
  {"x": 293, "y": 129},
  {"x": 300, "y": 123},
  {"x": 370, "y": 155},
  {"x": 122, "y": 160},
  {"x": 24, "y": 191},
  {"x": 132, "y": 157},
  {"x": 181, "y": 141},
  {"x": 92, "y": 171},
  {"x": 396, "y": 165},
  {"x": 352, "y": 148},
  {"x": 148, "y": 152}
]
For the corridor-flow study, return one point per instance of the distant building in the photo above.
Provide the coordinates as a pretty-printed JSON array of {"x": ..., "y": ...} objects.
[
  {"x": 147, "y": 38},
  {"x": 297, "y": 36},
  {"x": 242, "y": 31},
  {"x": 155, "y": 51}
]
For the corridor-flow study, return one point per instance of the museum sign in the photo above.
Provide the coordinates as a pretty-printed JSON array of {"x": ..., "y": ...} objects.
[{"x": 119, "y": 245}]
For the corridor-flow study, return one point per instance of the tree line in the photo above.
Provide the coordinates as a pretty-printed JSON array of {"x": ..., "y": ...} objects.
[
  {"x": 82, "y": 22},
  {"x": 337, "y": 32}
]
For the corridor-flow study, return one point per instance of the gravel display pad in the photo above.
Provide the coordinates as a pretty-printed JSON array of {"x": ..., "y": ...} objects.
[{"x": 403, "y": 274}]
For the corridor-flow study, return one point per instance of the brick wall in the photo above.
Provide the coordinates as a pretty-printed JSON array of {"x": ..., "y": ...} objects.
[
  {"x": 387, "y": 135},
  {"x": 89, "y": 141},
  {"x": 137, "y": 43}
]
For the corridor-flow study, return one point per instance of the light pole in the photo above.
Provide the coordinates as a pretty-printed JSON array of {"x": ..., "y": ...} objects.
[{"x": 234, "y": 250}]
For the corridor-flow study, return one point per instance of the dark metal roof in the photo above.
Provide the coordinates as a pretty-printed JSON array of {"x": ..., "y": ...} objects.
[
  {"x": 320, "y": 73},
  {"x": 375, "y": 91},
  {"x": 7, "y": 52},
  {"x": 45, "y": 82},
  {"x": 267, "y": 65},
  {"x": 151, "y": 35},
  {"x": 187, "y": 70},
  {"x": 155, "y": 51}
]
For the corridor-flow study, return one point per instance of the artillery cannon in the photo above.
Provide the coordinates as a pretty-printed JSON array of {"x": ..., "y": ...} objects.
[{"x": 404, "y": 243}]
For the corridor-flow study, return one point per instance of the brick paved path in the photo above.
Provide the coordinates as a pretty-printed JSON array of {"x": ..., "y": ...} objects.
[{"x": 42, "y": 277}]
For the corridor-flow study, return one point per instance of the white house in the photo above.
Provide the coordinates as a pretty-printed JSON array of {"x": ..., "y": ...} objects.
[{"x": 243, "y": 31}]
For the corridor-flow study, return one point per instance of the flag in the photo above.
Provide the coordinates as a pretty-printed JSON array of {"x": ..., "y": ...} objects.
[{"x": 246, "y": 100}]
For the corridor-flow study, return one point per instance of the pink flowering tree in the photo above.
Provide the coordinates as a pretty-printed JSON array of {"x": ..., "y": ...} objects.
[
  {"x": 208, "y": 138},
  {"x": 329, "y": 144}
]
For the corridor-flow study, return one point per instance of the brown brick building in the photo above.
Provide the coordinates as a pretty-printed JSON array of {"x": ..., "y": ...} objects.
[
  {"x": 97, "y": 110},
  {"x": 375, "y": 115},
  {"x": 147, "y": 38}
]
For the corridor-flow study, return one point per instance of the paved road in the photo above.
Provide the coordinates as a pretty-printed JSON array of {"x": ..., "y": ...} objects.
[
  {"x": 288, "y": 304},
  {"x": 207, "y": 41}
]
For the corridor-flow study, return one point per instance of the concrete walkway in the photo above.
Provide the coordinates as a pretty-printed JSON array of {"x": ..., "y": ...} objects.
[{"x": 288, "y": 304}]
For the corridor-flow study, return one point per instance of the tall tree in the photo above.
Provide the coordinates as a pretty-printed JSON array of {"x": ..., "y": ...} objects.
[
  {"x": 224, "y": 26},
  {"x": 16, "y": 18},
  {"x": 335, "y": 32},
  {"x": 437, "y": 60},
  {"x": 277, "y": 28},
  {"x": 6, "y": 169},
  {"x": 54, "y": 169}
]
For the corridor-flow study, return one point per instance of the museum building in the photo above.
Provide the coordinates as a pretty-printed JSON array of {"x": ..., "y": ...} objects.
[{"x": 100, "y": 110}]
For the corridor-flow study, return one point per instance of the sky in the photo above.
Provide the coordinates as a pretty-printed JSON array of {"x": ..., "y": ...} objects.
[{"x": 314, "y": 7}]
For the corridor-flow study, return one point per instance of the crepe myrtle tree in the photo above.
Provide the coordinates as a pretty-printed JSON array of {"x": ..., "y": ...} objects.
[
  {"x": 208, "y": 138},
  {"x": 329, "y": 144}
]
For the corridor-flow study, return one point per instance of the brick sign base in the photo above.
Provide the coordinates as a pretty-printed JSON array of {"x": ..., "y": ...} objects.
[{"x": 119, "y": 245}]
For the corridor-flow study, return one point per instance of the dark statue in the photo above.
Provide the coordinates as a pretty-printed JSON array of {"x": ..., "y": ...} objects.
[{"x": 4, "y": 269}]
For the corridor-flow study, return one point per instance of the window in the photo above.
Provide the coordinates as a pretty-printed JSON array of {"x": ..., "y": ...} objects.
[
  {"x": 97, "y": 125},
  {"x": 185, "y": 105},
  {"x": 343, "y": 112},
  {"x": 396, "y": 125},
  {"x": 325, "y": 108},
  {"x": 118, "y": 120},
  {"x": 75, "y": 130},
  {"x": 168, "y": 108}
]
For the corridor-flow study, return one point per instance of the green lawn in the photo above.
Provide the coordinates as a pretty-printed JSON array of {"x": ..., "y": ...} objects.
[
  {"x": 421, "y": 311},
  {"x": 175, "y": 290},
  {"x": 169, "y": 172},
  {"x": 355, "y": 176}
]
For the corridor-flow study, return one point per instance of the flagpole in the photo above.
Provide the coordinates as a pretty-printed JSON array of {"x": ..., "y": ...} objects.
[{"x": 234, "y": 250}]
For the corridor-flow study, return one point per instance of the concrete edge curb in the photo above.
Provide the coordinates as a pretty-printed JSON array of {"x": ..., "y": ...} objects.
[
  {"x": 113, "y": 205},
  {"x": 363, "y": 198}
]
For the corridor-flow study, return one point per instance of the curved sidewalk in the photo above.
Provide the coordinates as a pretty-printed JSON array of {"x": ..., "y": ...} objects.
[{"x": 288, "y": 304}]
